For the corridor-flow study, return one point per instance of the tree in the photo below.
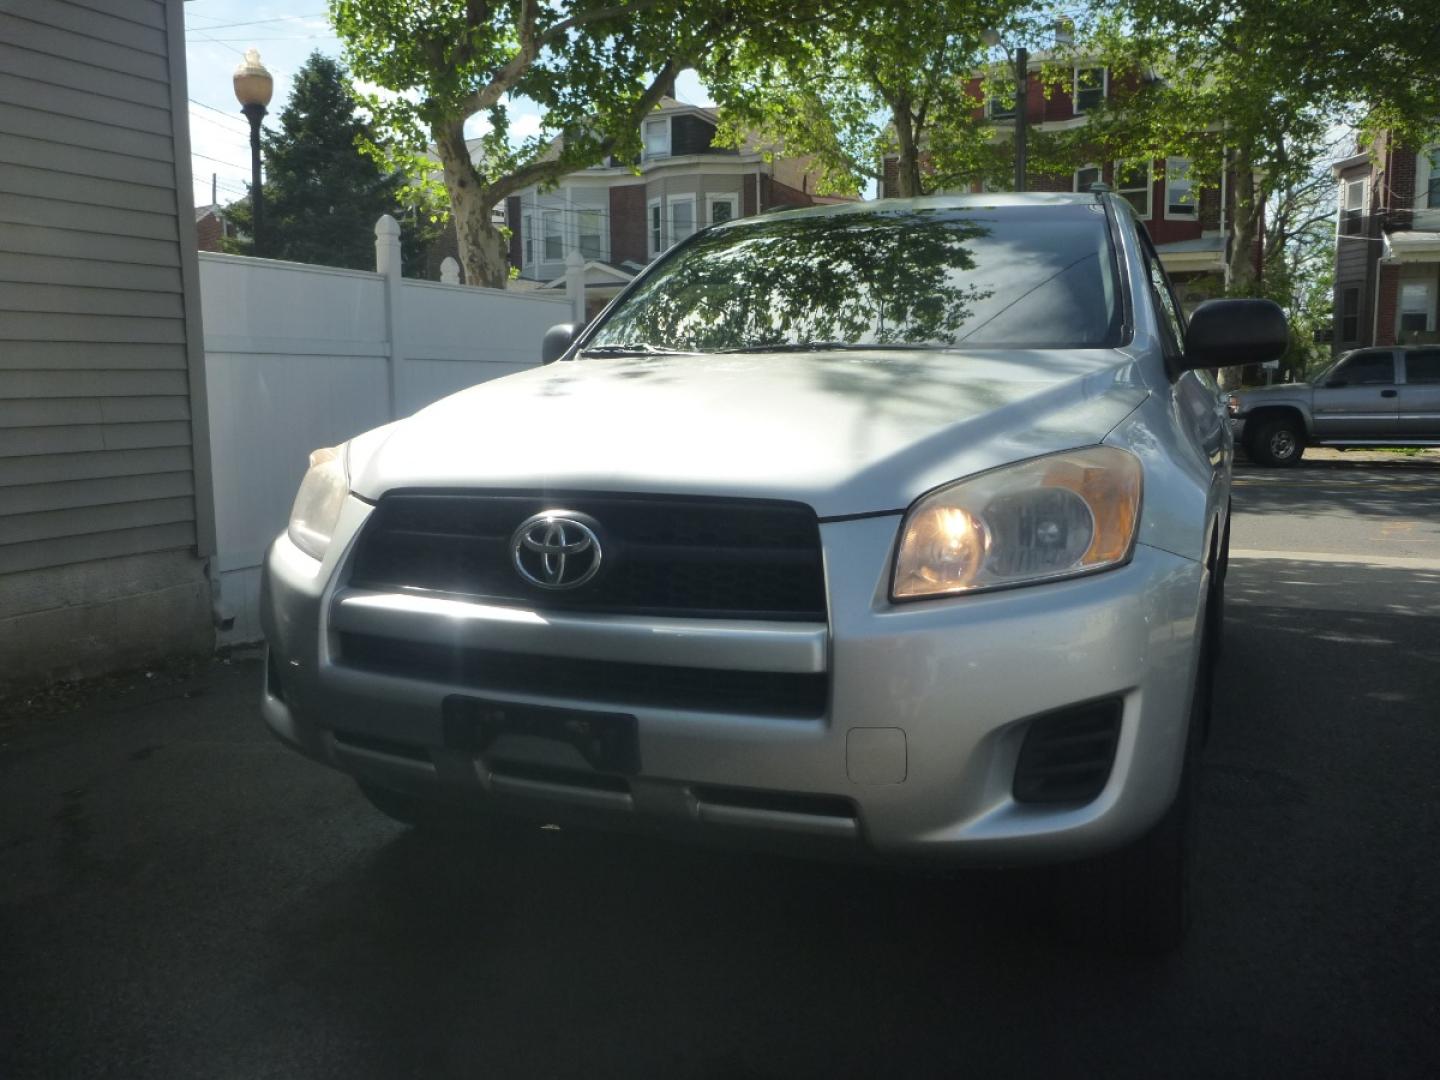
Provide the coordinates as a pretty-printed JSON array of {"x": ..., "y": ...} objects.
[
  {"x": 881, "y": 80},
  {"x": 323, "y": 195},
  {"x": 596, "y": 68}
]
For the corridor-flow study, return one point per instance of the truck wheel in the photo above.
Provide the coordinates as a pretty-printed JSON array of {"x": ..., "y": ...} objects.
[
  {"x": 1137, "y": 900},
  {"x": 1279, "y": 441}
]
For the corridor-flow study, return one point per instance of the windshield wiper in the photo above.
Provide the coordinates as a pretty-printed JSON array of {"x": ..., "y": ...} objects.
[
  {"x": 795, "y": 346},
  {"x": 633, "y": 348}
]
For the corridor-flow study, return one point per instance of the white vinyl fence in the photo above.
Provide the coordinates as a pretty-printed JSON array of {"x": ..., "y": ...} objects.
[{"x": 298, "y": 357}]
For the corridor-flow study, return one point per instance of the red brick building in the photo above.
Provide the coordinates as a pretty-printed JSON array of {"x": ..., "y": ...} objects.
[
  {"x": 619, "y": 221},
  {"x": 1186, "y": 219},
  {"x": 1387, "y": 246}
]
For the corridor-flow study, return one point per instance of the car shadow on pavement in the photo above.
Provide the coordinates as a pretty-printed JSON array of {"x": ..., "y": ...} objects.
[
  {"x": 1398, "y": 488},
  {"x": 566, "y": 953}
]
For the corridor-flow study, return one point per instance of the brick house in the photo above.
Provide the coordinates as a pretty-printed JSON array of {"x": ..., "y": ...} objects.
[
  {"x": 1387, "y": 246},
  {"x": 619, "y": 221},
  {"x": 1185, "y": 220},
  {"x": 211, "y": 226}
]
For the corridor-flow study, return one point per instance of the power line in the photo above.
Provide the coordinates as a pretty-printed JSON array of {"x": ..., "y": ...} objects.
[
  {"x": 291, "y": 37},
  {"x": 221, "y": 112},
  {"x": 222, "y": 44},
  {"x": 217, "y": 161},
  {"x": 241, "y": 136},
  {"x": 258, "y": 22}
]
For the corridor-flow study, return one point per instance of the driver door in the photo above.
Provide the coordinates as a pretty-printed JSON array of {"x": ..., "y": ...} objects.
[{"x": 1360, "y": 399}]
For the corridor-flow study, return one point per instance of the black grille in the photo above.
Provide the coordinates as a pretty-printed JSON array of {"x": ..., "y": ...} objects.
[
  {"x": 1066, "y": 756},
  {"x": 720, "y": 558},
  {"x": 599, "y": 681}
]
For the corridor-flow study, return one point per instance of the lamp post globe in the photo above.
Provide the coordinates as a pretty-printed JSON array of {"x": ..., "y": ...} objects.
[{"x": 253, "y": 89}]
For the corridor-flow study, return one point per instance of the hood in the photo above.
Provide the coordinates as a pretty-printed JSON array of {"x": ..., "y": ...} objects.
[{"x": 845, "y": 432}]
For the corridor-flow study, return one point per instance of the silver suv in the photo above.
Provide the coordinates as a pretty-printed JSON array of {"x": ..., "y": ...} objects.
[
  {"x": 896, "y": 530},
  {"x": 1369, "y": 397}
]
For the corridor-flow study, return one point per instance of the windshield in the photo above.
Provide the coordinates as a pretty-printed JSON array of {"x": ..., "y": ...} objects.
[{"x": 1015, "y": 276}]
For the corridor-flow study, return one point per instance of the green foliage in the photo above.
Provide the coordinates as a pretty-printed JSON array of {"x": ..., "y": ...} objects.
[
  {"x": 595, "y": 68},
  {"x": 323, "y": 195},
  {"x": 880, "y": 79}
]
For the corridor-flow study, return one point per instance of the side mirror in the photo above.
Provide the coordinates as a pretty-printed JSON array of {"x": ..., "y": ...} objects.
[
  {"x": 1335, "y": 383},
  {"x": 557, "y": 341},
  {"x": 1225, "y": 333}
]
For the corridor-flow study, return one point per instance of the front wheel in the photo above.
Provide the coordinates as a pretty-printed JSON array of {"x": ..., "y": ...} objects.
[
  {"x": 1279, "y": 441},
  {"x": 1137, "y": 900}
]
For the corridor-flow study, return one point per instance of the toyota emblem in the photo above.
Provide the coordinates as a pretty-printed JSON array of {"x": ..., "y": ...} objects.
[{"x": 555, "y": 551}]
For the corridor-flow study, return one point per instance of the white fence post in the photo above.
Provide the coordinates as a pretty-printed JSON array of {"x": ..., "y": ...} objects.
[
  {"x": 387, "y": 262},
  {"x": 575, "y": 286},
  {"x": 449, "y": 271}
]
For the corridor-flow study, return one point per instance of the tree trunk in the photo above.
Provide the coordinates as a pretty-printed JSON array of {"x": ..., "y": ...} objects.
[
  {"x": 1240, "y": 274},
  {"x": 1244, "y": 229},
  {"x": 908, "y": 173},
  {"x": 482, "y": 245}
]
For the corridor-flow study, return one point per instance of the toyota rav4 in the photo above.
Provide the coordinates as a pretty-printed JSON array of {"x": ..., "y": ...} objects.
[{"x": 893, "y": 529}]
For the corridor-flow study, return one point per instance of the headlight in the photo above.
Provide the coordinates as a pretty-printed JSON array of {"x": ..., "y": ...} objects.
[
  {"x": 1232, "y": 404},
  {"x": 317, "y": 505},
  {"x": 1049, "y": 518}
]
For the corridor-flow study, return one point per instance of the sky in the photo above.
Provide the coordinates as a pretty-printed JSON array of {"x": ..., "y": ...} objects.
[{"x": 217, "y": 33}]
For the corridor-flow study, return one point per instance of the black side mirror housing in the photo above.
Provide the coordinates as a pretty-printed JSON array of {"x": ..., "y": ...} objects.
[
  {"x": 557, "y": 342},
  {"x": 1335, "y": 383},
  {"x": 1226, "y": 333}
]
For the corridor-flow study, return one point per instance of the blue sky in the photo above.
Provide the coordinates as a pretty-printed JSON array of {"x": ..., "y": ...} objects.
[{"x": 217, "y": 33}]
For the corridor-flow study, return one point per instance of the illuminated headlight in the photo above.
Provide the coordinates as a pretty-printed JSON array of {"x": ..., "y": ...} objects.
[
  {"x": 317, "y": 505},
  {"x": 1052, "y": 517}
]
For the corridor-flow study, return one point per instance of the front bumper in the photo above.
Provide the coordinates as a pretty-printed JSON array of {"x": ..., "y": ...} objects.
[{"x": 928, "y": 706}]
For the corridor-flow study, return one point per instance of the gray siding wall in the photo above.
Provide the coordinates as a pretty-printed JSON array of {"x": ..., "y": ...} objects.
[
  {"x": 103, "y": 442},
  {"x": 96, "y": 430}
]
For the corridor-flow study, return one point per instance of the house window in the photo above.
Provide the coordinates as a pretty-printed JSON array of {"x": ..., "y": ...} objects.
[
  {"x": 723, "y": 208},
  {"x": 657, "y": 138},
  {"x": 682, "y": 218},
  {"x": 1350, "y": 315},
  {"x": 1086, "y": 176},
  {"x": 1002, "y": 107},
  {"x": 554, "y": 236},
  {"x": 1179, "y": 190},
  {"x": 1090, "y": 86},
  {"x": 657, "y": 234},
  {"x": 1415, "y": 310},
  {"x": 527, "y": 238},
  {"x": 1432, "y": 189},
  {"x": 1354, "y": 194},
  {"x": 588, "y": 225},
  {"x": 1132, "y": 180}
]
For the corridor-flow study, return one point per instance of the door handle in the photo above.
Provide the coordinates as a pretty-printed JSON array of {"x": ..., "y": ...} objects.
[{"x": 1388, "y": 393}]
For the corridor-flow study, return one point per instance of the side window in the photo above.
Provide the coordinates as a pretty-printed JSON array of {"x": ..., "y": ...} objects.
[
  {"x": 1366, "y": 369},
  {"x": 1423, "y": 367},
  {"x": 1167, "y": 311}
]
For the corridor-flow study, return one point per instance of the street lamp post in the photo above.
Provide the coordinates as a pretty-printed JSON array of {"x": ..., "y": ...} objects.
[
  {"x": 1022, "y": 93},
  {"x": 253, "y": 88}
]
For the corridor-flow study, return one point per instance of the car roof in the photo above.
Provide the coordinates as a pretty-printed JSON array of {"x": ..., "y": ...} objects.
[{"x": 1038, "y": 200}]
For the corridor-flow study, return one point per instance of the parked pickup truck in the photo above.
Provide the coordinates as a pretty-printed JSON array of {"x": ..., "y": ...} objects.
[
  {"x": 892, "y": 530},
  {"x": 1369, "y": 397}
]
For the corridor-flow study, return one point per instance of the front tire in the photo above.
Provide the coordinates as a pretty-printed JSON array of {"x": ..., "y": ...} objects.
[
  {"x": 1137, "y": 900},
  {"x": 1278, "y": 442}
]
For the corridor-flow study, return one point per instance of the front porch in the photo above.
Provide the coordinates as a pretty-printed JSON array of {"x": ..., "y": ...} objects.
[{"x": 1409, "y": 300}]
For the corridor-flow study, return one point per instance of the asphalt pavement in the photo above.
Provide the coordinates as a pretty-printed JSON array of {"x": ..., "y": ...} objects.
[{"x": 182, "y": 897}]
